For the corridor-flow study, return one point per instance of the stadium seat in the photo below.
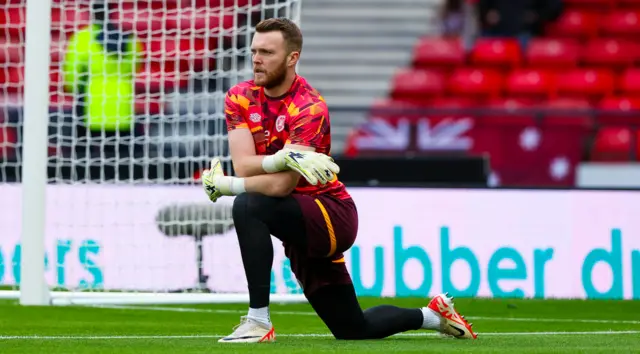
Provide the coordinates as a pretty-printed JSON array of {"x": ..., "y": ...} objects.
[
  {"x": 417, "y": 85},
  {"x": 11, "y": 52},
  {"x": 612, "y": 144},
  {"x": 567, "y": 112},
  {"x": 468, "y": 82},
  {"x": 552, "y": 53},
  {"x": 438, "y": 53},
  {"x": 619, "y": 111},
  {"x": 496, "y": 53},
  {"x": 226, "y": 3},
  {"x": 510, "y": 111},
  {"x": 621, "y": 23},
  {"x": 183, "y": 21},
  {"x": 152, "y": 79},
  {"x": 585, "y": 83},
  {"x": 610, "y": 52},
  {"x": 574, "y": 24},
  {"x": 629, "y": 84},
  {"x": 181, "y": 53},
  {"x": 530, "y": 83}
]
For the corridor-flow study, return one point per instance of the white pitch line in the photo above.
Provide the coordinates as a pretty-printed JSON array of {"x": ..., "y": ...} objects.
[
  {"x": 307, "y": 335},
  {"x": 309, "y": 313}
]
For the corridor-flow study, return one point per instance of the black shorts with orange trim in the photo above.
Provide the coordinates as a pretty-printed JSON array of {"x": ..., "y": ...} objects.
[{"x": 331, "y": 229}]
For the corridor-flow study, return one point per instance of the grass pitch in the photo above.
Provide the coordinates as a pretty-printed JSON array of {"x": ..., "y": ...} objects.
[{"x": 518, "y": 326}]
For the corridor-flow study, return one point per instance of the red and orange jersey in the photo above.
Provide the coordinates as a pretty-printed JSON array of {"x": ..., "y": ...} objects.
[{"x": 298, "y": 117}]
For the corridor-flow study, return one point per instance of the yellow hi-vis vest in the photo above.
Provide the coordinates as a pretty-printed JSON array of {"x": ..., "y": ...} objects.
[{"x": 108, "y": 80}]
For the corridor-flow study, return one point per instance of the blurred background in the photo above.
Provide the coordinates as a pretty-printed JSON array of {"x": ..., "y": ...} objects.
[{"x": 528, "y": 93}]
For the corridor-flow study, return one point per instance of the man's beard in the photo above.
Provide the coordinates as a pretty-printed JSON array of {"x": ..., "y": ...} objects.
[{"x": 274, "y": 78}]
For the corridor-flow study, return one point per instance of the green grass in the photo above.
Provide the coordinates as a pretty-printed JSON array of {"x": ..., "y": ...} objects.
[{"x": 507, "y": 325}]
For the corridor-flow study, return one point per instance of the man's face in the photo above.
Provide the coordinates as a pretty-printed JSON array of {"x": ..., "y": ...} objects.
[{"x": 269, "y": 55}]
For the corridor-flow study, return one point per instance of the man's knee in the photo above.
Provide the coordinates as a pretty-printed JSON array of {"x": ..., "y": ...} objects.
[{"x": 251, "y": 205}]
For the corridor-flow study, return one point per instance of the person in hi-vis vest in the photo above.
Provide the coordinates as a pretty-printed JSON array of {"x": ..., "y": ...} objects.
[{"x": 100, "y": 66}]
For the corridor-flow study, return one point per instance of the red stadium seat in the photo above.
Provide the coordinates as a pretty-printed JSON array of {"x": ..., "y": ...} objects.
[
  {"x": 574, "y": 24},
  {"x": 153, "y": 79},
  {"x": 552, "y": 53},
  {"x": 454, "y": 103},
  {"x": 432, "y": 52},
  {"x": 610, "y": 52},
  {"x": 185, "y": 21},
  {"x": 226, "y": 3},
  {"x": 180, "y": 53},
  {"x": 11, "y": 51},
  {"x": 496, "y": 53},
  {"x": 416, "y": 85},
  {"x": 630, "y": 82},
  {"x": 619, "y": 110},
  {"x": 530, "y": 83},
  {"x": 621, "y": 23},
  {"x": 510, "y": 111},
  {"x": 567, "y": 112},
  {"x": 69, "y": 19},
  {"x": 585, "y": 83},
  {"x": 612, "y": 144},
  {"x": 467, "y": 82}
]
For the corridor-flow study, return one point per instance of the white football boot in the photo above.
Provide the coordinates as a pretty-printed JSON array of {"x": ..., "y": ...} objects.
[
  {"x": 250, "y": 331},
  {"x": 452, "y": 323}
]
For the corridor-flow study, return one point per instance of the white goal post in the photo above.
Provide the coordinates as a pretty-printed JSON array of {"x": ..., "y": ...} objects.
[{"x": 119, "y": 215}]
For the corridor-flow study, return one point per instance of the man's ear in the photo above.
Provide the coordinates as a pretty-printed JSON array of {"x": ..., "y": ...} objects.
[{"x": 293, "y": 59}]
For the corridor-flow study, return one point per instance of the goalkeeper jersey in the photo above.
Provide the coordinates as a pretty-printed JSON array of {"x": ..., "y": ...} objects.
[
  {"x": 105, "y": 79},
  {"x": 299, "y": 117}
]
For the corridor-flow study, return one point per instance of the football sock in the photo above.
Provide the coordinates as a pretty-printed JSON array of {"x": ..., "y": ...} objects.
[
  {"x": 338, "y": 307},
  {"x": 256, "y": 248},
  {"x": 261, "y": 315},
  {"x": 431, "y": 320},
  {"x": 386, "y": 320}
]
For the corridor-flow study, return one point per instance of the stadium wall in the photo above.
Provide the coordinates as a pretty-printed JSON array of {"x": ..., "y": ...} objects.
[{"x": 412, "y": 242}]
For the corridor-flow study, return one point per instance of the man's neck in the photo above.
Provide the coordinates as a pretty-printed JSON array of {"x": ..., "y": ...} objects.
[{"x": 282, "y": 88}]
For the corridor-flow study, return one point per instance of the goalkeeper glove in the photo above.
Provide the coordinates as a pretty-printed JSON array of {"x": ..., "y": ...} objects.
[
  {"x": 313, "y": 166},
  {"x": 216, "y": 184}
]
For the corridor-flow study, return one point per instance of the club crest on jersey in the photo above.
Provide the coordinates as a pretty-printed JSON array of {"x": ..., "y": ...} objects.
[
  {"x": 280, "y": 123},
  {"x": 255, "y": 117}
]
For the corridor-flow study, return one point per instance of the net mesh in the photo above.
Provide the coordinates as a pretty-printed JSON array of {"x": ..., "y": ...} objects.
[{"x": 135, "y": 112}]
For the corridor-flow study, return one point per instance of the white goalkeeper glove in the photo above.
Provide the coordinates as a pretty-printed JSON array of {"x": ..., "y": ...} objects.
[
  {"x": 216, "y": 184},
  {"x": 313, "y": 166}
]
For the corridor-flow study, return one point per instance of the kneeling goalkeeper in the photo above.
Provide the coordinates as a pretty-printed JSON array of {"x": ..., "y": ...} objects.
[{"x": 279, "y": 131}]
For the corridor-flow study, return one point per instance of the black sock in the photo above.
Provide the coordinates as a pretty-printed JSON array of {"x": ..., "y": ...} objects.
[
  {"x": 338, "y": 307},
  {"x": 387, "y": 320},
  {"x": 256, "y": 248}
]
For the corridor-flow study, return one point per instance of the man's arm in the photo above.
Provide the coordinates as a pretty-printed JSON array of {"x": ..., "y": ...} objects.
[
  {"x": 278, "y": 184},
  {"x": 243, "y": 154}
]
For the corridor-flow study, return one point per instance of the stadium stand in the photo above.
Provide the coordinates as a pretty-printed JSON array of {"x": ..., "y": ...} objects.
[{"x": 570, "y": 95}]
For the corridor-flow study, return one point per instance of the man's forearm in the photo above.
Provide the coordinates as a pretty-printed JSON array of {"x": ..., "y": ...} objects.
[
  {"x": 249, "y": 166},
  {"x": 278, "y": 184}
]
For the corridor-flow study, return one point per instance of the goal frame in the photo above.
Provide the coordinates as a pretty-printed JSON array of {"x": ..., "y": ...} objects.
[{"x": 33, "y": 288}]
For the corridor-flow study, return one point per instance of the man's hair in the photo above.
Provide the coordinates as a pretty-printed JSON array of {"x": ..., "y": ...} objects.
[{"x": 290, "y": 31}]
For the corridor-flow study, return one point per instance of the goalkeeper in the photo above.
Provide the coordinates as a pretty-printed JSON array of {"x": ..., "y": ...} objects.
[{"x": 280, "y": 138}]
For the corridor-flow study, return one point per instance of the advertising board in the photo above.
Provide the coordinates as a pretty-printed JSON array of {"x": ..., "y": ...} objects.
[{"x": 411, "y": 242}]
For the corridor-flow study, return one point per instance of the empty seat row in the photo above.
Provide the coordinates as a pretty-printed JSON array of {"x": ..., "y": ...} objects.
[
  {"x": 591, "y": 23},
  {"x": 419, "y": 84},
  {"x": 158, "y": 22},
  {"x": 541, "y": 52}
]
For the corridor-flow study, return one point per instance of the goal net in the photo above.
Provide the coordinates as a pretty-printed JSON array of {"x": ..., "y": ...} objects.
[{"x": 104, "y": 129}]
